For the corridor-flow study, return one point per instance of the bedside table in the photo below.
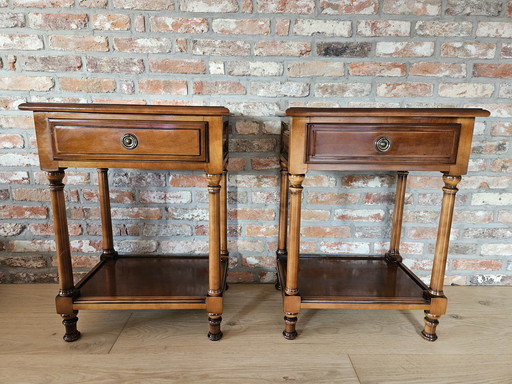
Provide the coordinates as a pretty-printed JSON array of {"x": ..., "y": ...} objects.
[
  {"x": 347, "y": 139},
  {"x": 142, "y": 137}
]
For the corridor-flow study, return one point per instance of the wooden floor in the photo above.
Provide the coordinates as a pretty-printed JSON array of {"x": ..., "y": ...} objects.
[{"x": 334, "y": 346}]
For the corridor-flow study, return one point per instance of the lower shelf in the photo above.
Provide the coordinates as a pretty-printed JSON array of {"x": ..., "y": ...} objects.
[
  {"x": 152, "y": 282},
  {"x": 356, "y": 282}
]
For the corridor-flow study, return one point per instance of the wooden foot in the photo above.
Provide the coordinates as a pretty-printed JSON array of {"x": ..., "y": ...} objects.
[
  {"x": 289, "y": 333},
  {"x": 72, "y": 334},
  {"x": 215, "y": 333},
  {"x": 431, "y": 322}
]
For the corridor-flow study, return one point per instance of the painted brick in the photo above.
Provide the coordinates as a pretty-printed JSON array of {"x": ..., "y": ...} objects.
[
  {"x": 89, "y": 85},
  {"x": 241, "y": 27},
  {"x": 473, "y": 7},
  {"x": 404, "y": 49},
  {"x": 443, "y": 28},
  {"x": 344, "y": 49},
  {"x": 468, "y": 50},
  {"x": 51, "y": 63},
  {"x": 307, "y": 27},
  {"x": 20, "y": 42},
  {"x": 111, "y": 22},
  {"x": 115, "y": 64},
  {"x": 282, "y": 48},
  {"x": 414, "y": 7},
  {"x": 276, "y": 89},
  {"x": 342, "y": 89},
  {"x": 26, "y": 83},
  {"x": 492, "y": 70},
  {"x": 466, "y": 90},
  {"x": 404, "y": 89},
  {"x": 343, "y": 7},
  {"x": 373, "y": 28},
  {"x": 209, "y": 6},
  {"x": 457, "y": 70},
  {"x": 148, "y": 5},
  {"x": 43, "y": 3},
  {"x": 142, "y": 45},
  {"x": 285, "y": 6},
  {"x": 56, "y": 21},
  {"x": 162, "y": 87},
  {"x": 221, "y": 48},
  {"x": 12, "y": 20},
  {"x": 178, "y": 24},
  {"x": 316, "y": 69},
  {"x": 376, "y": 69},
  {"x": 79, "y": 43}
]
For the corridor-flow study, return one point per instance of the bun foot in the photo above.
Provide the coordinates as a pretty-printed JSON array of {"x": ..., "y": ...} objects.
[
  {"x": 290, "y": 335},
  {"x": 215, "y": 333},
  {"x": 431, "y": 322},
  {"x": 428, "y": 336},
  {"x": 215, "y": 336},
  {"x": 72, "y": 334},
  {"x": 289, "y": 332}
]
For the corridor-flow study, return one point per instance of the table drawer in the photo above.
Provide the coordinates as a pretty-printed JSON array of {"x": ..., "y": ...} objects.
[
  {"x": 382, "y": 143},
  {"x": 129, "y": 140}
]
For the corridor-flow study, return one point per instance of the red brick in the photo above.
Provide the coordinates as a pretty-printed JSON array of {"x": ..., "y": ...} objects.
[
  {"x": 47, "y": 229},
  {"x": 115, "y": 196},
  {"x": 31, "y": 194},
  {"x": 241, "y": 27},
  {"x": 342, "y": 89},
  {"x": 115, "y": 64},
  {"x": 147, "y": 5},
  {"x": 185, "y": 181},
  {"x": 442, "y": 28},
  {"x": 136, "y": 213},
  {"x": 31, "y": 246},
  {"x": 221, "y": 48},
  {"x": 264, "y": 197},
  {"x": 412, "y": 7},
  {"x": 12, "y": 20},
  {"x": 471, "y": 90},
  {"x": 477, "y": 265},
  {"x": 404, "y": 89},
  {"x": 94, "y": 3},
  {"x": 252, "y": 181},
  {"x": 438, "y": 69},
  {"x": 406, "y": 248},
  {"x": 344, "y": 7},
  {"x": 460, "y": 216},
  {"x": 282, "y": 27},
  {"x": 20, "y": 42},
  {"x": 261, "y": 230},
  {"x": 251, "y": 214},
  {"x": 10, "y": 103},
  {"x": 501, "y": 165},
  {"x": 252, "y": 145},
  {"x": 196, "y": 214},
  {"x": 236, "y": 164},
  {"x": 376, "y": 69},
  {"x": 177, "y": 66},
  {"x": 26, "y": 83},
  {"x": 56, "y": 21},
  {"x": 268, "y": 163},
  {"x": 25, "y": 261},
  {"x": 367, "y": 181},
  {"x": 11, "y": 141},
  {"x": 218, "y": 88},
  {"x": 373, "y": 28},
  {"x": 17, "y": 122},
  {"x": 111, "y": 22},
  {"x": 285, "y": 6},
  {"x": 370, "y": 215},
  {"x": 247, "y": 6},
  {"x": 419, "y": 264},
  {"x": 469, "y": 50},
  {"x": 240, "y": 277},
  {"x": 492, "y": 70},
  {"x": 282, "y": 48},
  {"x": 29, "y": 277},
  {"x": 320, "y": 232},
  {"x": 178, "y": 24},
  {"x": 162, "y": 87},
  {"x": 79, "y": 43},
  {"x": 246, "y": 246},
  {"x": 89, "y": 85},
  {"x": 11, "y": 229},
  {"x": 142, "y": 45},
  {"x": 223, "y": 6},
  {"x": 332, "y": 198},
  {"x": 139, "y": 23},
  {"x": 473, "y": 8}
]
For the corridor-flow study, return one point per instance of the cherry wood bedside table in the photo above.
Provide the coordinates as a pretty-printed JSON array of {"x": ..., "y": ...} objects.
[
  {"x": 347, "y": 139},
  {"x": 143, "y": 137}
]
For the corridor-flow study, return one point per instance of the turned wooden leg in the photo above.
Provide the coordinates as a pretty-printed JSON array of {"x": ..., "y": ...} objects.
[
  {"x": 435, "y": 291},
  {"x": 224, "y": 253},
  {"x": 292, "y": 265},
  {"x": 64, "y": 299},
  {"x": 283, "y": 218},
  {"x": 106, "y": 217},
  {"x": 398, "y": 213},
  {"x": 214, "y": 277}
]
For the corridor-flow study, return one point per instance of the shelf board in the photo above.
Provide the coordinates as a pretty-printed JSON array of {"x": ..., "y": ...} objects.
[
  {"x": 356, "y": 282},
  {"x": 130, "y": 282}
]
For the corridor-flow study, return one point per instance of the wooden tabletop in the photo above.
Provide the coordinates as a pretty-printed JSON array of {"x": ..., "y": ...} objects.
[{"x": 438, "y": 112}]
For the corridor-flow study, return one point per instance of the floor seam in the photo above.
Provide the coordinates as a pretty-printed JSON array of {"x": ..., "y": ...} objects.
[{"x": 119, "y": 334}]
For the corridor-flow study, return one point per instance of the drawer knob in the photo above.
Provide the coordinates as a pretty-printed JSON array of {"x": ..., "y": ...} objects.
[
  {"x": 129, "y": 141},
  {"x": 382, "y": 144}
]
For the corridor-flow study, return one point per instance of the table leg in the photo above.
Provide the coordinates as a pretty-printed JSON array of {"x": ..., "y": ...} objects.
[
  {"x": 214, "y": 299},
  {"x": 291, "y": 290},
  {"x": 64, "y": 299},
  {"x": 435, "y": 291},
  {"x": 283, "y": 216},
  {"x": 106, "y": 216},
  {"x": 224, "y": 253},
  {"x": 398, "y": 213}
]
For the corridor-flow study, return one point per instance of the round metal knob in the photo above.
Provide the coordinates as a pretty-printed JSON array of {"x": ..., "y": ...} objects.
[
  {"x": 129, "y": 141},
  {"x": 382, "y": 144}
]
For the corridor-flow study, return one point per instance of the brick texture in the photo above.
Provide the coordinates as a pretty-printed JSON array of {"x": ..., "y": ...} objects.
[{"x": 258, "y": 57}]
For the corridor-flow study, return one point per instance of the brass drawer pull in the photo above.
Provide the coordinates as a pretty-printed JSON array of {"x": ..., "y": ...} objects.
[
  {"x": 129, "y": 141},
  {"x": 382, "y": 144}
]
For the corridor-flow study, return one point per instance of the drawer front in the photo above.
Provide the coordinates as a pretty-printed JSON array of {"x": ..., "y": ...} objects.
[
  {"x": 382, "y": 143},
  {"x": 128, "y": 140}
]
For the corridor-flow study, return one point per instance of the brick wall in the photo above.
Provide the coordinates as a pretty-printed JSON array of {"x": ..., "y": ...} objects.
[{"x": 258, "y": 57}]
